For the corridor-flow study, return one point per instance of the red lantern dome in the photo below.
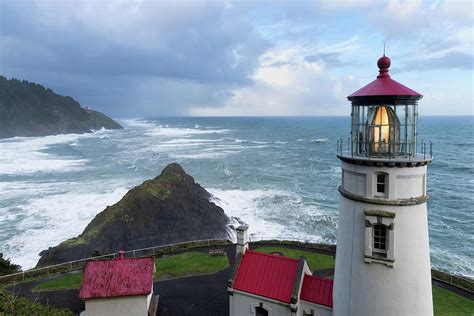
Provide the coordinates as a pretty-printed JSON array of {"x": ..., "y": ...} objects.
[{"x": 384, "y": 89}]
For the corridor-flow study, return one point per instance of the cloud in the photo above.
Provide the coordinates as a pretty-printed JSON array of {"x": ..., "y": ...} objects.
[
  {"x": 328, "y": 59},
  {"x": 299, "y": 88},
  {"x": 451, "y": 60},
  {"x": 178, "y": 46},
  {"x": 156, "y": 58}
]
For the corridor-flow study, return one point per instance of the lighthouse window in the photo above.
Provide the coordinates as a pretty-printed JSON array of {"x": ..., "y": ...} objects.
[
  {"x": 380, "y": 240},
  {"x": 381, "y": 187}
]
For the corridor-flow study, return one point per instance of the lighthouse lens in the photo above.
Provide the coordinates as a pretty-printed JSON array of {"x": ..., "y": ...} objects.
[{"x": 384, "y": 130}]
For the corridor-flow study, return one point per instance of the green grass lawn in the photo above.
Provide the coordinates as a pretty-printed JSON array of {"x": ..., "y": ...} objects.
[
  {"x": 67, "y": 282},
  {"x": 189, "y": 263},
  {"x": 316, "y": 261},
  {"x": 448, "y": 303}
]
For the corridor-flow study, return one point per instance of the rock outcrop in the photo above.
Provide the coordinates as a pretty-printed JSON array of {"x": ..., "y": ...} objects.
[
  {"x": 167, "y": 209},
  {"x": 29, "y": 109}
]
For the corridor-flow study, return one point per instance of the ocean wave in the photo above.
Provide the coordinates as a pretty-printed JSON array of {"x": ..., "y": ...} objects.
[
  {"x": 52, "y": 218},
  {"x": 319, "y": 140},
  {"x": 204, "y": 155},
  {"x": 26, "y": 155},
  {"x": 192, "y": 140},
  {"x": 269, "y": 213}
]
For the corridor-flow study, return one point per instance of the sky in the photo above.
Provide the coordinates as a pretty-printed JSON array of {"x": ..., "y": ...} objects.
[{"x": 142, "y": 58}]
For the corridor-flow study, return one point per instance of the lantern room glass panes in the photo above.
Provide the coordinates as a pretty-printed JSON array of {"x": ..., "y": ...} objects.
[{"x": 384, "y": 130}]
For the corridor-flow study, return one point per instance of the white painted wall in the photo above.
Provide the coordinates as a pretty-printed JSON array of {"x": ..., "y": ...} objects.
[
  {"x": 372, "y": 288},
  {"x": 319, "y": 310},
  {"x": 126, "y": 306},
  {"x": 243, "y": 304},
  {"x": 403, "y": 182}
]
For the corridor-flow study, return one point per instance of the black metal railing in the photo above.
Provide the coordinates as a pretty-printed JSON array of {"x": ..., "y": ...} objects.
[{"x": 381, "y": 150}]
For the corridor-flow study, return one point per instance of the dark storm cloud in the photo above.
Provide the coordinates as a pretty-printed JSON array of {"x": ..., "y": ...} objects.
[{"x": 96, "y": 51}]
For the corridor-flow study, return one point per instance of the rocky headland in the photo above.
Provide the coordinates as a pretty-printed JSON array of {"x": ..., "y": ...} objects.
[
  {"x": 168, "y": 209},
  {"x": 29, "y": 109}
]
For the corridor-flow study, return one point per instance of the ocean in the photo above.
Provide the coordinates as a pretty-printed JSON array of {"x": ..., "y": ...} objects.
[{"x": 278, "y": 174}]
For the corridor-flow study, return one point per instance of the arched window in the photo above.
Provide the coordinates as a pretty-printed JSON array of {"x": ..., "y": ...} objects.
[{"x": 260, "y": 311}]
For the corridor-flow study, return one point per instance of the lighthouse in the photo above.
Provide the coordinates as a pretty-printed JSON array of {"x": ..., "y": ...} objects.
[{"x": 382, "y": 259}]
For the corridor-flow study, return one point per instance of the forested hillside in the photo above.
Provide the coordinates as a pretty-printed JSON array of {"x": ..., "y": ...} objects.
[{"x": 29, "y": 109}]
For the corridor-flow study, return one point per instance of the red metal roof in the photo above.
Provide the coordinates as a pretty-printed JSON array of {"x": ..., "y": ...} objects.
[
  {"x": 317, "y": 290},
  {"x": 384, "y": 85},
  {"x": 117, "y": 277},
  {"x": 266, "y": 275}
]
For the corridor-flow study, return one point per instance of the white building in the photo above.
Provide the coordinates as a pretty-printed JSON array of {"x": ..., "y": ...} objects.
[
  {"x": 270, "y": 285},
  {"x": 382, "y": 259},
  {"x": 122, "y": 286}
]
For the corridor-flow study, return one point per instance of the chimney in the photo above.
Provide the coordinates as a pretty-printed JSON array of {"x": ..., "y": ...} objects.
[
  {"x": 121, "y": 255},
  {"x": 242, "y": 240}
]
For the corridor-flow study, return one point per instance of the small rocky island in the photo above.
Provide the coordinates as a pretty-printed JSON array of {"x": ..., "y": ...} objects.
[
  {"x": 29, "y": 109},
  {"x": 168, "y": 209}
]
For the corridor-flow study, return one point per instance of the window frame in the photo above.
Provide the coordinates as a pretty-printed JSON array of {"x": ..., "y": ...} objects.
[
  {"x": 385, "y": 182},
  {"x": 374, "y": 219}
]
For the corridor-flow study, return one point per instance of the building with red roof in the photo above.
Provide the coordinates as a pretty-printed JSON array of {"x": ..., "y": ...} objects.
[
  {"x": 122, "y": 286},
  {"x": 267, "y": 284}
]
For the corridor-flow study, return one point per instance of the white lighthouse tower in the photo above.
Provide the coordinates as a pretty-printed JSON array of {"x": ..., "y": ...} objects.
[{"x": 383, "y": 260}]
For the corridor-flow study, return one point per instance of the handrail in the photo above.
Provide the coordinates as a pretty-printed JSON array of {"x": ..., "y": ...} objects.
[
  {"x": 347, "y": 148},
  {"x": 70, "y": 264},
  {"x": 459, "y": 281}
]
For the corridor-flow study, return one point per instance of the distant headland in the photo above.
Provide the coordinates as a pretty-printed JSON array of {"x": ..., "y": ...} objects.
[{"x": 30, "y": 109}]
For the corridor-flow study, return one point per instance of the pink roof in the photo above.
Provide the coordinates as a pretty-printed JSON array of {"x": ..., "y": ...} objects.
[
  {"x": 317, "y": 290},
  {"x": 117, "y": 277},
  {"x": 266, "y": 275},
  {"x": 384, "y": 85}
]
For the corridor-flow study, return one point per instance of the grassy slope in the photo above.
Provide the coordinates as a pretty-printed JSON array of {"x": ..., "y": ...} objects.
[
  {"x": 69, "y": 281},
  {"x": 449, "y": 303},
  {"x": 189, "y": 263},
  {"x": 316, "y": 261}
]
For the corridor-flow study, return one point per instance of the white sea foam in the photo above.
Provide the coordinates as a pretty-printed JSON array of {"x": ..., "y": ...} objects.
[
  {"x": 257, "y": 208},
  {"x": 204, "y": 155},
  {"x": 319, "y": 140},
  {"x": 180, "y": 132},
  {"x": 51, "y": 218},
  {"x": 25, "y": 155}
]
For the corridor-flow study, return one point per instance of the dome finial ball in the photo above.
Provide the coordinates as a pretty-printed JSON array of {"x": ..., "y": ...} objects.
[{"x": 384, "y": 63}]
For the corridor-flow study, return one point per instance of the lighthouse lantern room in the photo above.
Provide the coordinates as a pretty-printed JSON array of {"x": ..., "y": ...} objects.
[{"x": 382, "y": 260}]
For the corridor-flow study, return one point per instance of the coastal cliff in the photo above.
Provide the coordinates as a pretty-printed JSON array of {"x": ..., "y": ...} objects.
[
  {"x": 29, "y": 109},
  {"x": 167, "y": 209}
]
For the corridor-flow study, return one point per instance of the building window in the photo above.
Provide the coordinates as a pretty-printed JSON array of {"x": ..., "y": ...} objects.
[
  {"x": 380, "y": 241},
  {"x": 381, "y": 184},
  {"x": 379, "y": 237},
  {"x": 260, "y": 311}
]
